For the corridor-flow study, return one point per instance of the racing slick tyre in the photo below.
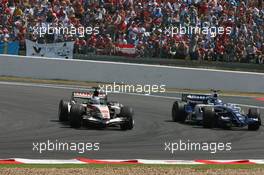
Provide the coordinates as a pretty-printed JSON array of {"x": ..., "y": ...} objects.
[
  {"x": 254, "y": 113},
  {"x": 128, "y": 113},
  {"x": 178, "y": 112},
  {"x": 209, "y": 117},
  {"x": 75, "y": 117},
  {"x": 63, "y": 111}
]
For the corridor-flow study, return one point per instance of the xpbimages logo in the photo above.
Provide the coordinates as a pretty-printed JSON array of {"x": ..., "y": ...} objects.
[
  {"x": 212, "y": 147},
  {"x": 129, "y": 88},
  {"x": 62, "y": 30},
  {"x": 207, "y": 30},
  {"x": 79, "y": 147}
]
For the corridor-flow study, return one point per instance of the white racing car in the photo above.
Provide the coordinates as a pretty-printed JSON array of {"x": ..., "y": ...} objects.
[{"x": 92, "y": 108}]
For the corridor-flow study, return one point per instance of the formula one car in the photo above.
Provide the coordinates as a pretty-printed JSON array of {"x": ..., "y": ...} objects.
[
  {"x": 208, "y": 110},
  {"x": 92, "y": 108}
]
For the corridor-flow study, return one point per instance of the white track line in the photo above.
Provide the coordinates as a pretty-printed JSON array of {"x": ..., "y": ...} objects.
[
  {"x": 178, "y": 98},
  {"x": 54, "y": 86},
  {"x": 49, "y": 161}
]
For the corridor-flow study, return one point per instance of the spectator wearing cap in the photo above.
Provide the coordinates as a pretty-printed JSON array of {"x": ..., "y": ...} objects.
[
  {"x": 182, "y": 50},
  {"x": 219, "y": 50},
  {"x": 193, "y": 48},
  {"x": 251, "y": 52}
]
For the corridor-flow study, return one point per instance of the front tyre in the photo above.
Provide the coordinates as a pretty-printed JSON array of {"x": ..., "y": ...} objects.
[
  {"x": 127, "y": 112},
  {"x": 254, "y": 113},
  {"x": 75, "y": 117},
  {"x": 63, "y": 111},
  {"x": 209, "y": 117}
]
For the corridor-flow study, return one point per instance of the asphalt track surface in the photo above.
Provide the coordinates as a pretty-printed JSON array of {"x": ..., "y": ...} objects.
[{"x": 29, "y": 114}]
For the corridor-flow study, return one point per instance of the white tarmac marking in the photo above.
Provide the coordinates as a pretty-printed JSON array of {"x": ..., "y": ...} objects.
[{"x": 69, "y": 87}]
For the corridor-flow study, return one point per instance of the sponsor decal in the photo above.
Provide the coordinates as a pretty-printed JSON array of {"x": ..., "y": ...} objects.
[{"x": 51, "y": 50}]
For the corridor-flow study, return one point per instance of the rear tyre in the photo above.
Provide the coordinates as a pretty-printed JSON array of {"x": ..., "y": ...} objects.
[
  {"x": 209, "y": 117},
  {"x": 254, "y": 113},
  {"x": 127, "y": 112},
  {"x": 178, "y": 112},
  {"x": 75, "y": 117},
  {"x": 63, "y": 111}
]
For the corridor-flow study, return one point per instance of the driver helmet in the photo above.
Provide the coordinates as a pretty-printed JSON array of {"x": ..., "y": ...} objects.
[
  {"x": 95, "y": 100},
  {"x": 96, "y": 93},
  {"x": 215, "y": 95},
  {"x": 215, "y": 99}
]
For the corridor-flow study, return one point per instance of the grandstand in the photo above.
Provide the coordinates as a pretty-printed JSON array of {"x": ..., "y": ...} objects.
[{"x": 227, "y": 30}]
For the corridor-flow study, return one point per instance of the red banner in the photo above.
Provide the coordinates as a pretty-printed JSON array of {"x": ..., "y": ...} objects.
[{"x": 125, "y": 50}]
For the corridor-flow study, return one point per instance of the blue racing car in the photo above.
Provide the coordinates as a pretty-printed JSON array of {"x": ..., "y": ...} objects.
[{"x": 210, "y": 112}]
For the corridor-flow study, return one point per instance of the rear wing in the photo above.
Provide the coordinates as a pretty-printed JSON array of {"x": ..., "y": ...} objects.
[
  {"x": 87, "y": 95},
  {"x": 195, "y": 97}
]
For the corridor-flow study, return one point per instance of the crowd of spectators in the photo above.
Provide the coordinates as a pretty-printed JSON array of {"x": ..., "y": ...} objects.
[{"x": 145, "y": 24}]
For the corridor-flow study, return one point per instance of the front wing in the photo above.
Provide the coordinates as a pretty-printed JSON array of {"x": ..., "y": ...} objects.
[{"x": 105, "y": 122}]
